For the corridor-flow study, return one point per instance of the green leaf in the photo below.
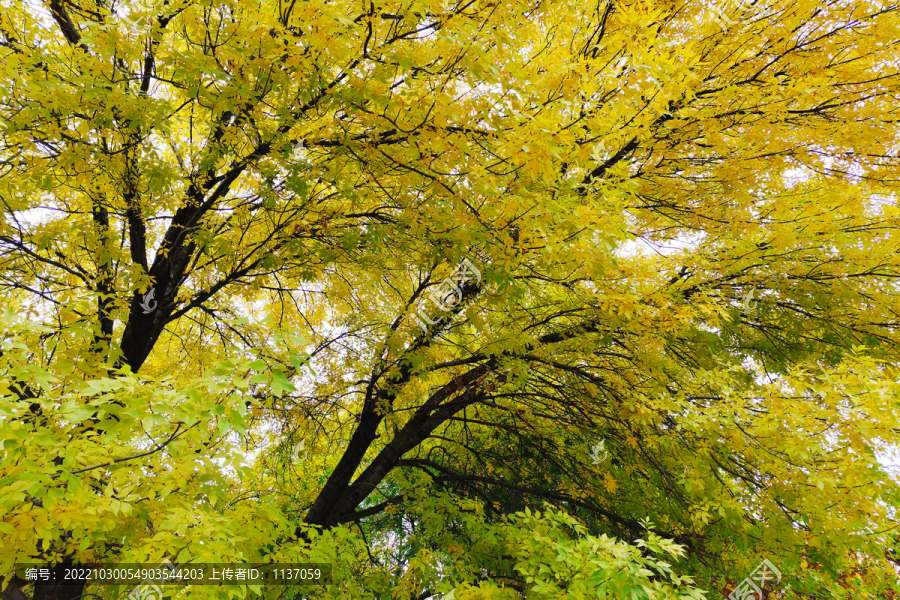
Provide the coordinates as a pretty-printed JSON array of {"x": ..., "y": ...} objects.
[{"x": 280, "y": 384}]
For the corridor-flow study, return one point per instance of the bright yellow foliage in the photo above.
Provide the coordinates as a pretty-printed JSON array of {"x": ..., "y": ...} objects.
[{"x": 223, "y": 223}]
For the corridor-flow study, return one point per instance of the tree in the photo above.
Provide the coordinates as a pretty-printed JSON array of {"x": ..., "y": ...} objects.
[{"x": 680, "y": 238}]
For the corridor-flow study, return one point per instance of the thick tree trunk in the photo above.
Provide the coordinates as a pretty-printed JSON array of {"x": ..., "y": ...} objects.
[
  {"x": 60, "y": 591},
  {"x": 14, "y": 590}
]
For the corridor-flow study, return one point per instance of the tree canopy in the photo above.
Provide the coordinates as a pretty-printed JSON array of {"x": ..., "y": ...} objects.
[{"x": 465, "y": 298}]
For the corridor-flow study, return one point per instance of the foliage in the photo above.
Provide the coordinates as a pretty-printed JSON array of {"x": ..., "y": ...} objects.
[{"x": 220, "y": 220}]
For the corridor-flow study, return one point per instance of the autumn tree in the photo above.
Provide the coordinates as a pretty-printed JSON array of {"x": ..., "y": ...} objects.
[{"x": 235, "y": 327}]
